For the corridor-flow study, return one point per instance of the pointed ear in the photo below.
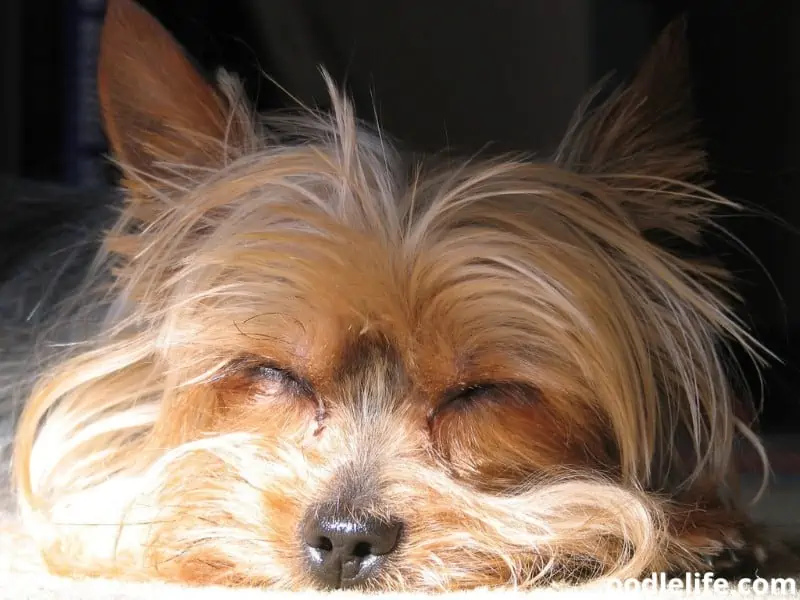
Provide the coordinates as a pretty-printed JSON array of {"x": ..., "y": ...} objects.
[
  {"x": 156, "y": 107},
  {"x": 646, "y": 127}
]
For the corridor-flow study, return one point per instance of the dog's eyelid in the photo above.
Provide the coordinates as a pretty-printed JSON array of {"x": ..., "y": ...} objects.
[
  {"x": 284, "y": 376},
  {"x": 258, "y": 369},
  {"x": 487, "y": 389},
  {"x": 472, "y": 390},
  {"x": 483, "y": 387},
  {"x": 270, "y": 372}
]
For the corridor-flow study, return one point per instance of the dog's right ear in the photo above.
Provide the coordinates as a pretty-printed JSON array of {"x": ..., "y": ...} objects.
[
  {"x": 643, "y": 140},
  {"x": 159, "y": 112},
  {"x": 646, "y": 127}
]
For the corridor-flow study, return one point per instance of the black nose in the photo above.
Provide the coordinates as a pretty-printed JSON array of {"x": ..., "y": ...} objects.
[{"x": 346, "y": 549}]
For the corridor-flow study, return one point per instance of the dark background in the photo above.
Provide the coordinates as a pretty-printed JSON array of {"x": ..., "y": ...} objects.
[{"x": 465, "y": 75}]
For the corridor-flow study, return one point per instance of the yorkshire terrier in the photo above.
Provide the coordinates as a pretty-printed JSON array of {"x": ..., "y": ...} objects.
[{"x": 322, "y": 365}]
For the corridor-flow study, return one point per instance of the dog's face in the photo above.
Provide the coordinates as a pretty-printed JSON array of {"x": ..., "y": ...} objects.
[{"x": 328, "y": 370}]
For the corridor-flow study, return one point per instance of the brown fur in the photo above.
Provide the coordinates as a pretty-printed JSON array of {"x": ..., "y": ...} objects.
[{"x": 494, "y": 352}]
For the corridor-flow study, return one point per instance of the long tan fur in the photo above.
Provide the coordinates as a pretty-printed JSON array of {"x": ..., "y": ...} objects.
[{"x": 305, "y": 242}]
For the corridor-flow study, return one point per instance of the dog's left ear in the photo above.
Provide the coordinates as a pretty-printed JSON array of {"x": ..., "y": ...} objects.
[
  {"x": 158, "y": 110},
  {"x": 644, "y": 130}
]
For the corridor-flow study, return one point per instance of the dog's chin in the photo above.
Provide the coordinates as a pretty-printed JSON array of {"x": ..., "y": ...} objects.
[{"x": 227, "y": 510}]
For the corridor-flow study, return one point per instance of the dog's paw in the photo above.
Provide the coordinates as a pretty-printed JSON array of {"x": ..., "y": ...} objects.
[
  {"x": 741, "y": 554},
  {"x": 727, "y": 543}
]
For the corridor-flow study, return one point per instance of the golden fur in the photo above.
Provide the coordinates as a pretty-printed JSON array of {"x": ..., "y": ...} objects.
[{"x": 495, "y": 352}]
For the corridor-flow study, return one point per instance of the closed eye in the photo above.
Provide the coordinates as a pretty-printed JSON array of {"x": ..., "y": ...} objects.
[
  {"x": 471, "y": 393},
  {"x": 288, "y": 381},
  {"x": 466, "y": 397}
]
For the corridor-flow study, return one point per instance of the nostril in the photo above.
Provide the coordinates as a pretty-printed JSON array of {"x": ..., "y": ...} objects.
[
  {"x": 362, "y": 549},
  {"x": 321, "y": 543}
]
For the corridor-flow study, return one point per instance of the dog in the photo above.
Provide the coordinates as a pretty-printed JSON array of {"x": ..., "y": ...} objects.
[{"x": 314, "y": 363}]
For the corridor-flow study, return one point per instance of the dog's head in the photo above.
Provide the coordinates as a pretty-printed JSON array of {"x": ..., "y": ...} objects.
[{"x": 325, "y": 367}]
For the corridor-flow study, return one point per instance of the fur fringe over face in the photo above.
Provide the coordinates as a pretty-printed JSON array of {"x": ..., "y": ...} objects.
[{"x": 497, "y": 354}]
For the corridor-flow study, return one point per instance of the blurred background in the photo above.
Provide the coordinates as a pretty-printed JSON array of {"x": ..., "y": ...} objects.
[{"x": 467, "y": 75}]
